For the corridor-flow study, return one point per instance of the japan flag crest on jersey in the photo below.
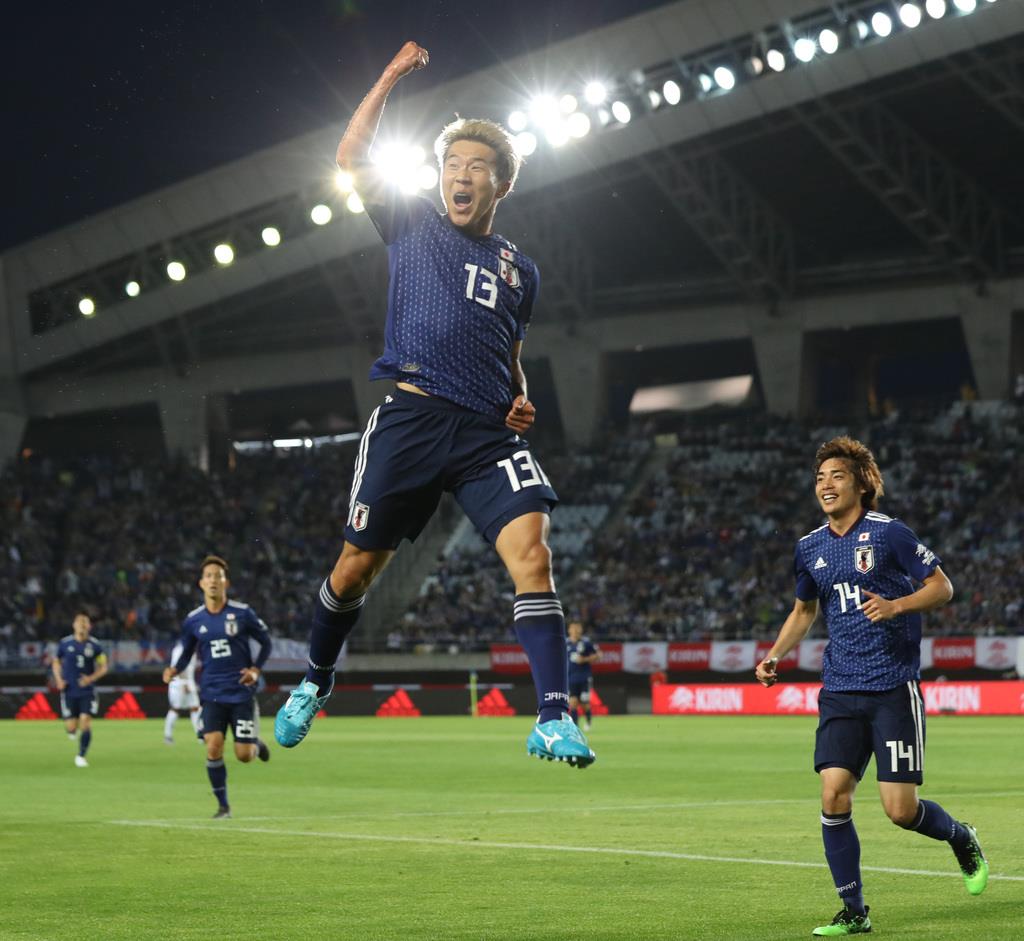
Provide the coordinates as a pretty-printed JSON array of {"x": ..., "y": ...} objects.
[
  {"x": 864, "y": 558},
  {"x": 509, "y": 273},
  {"x": 360, "y": 516}
]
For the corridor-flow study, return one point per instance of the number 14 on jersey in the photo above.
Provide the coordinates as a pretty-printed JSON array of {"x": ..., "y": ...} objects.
[{"x": 848, "y": 594}]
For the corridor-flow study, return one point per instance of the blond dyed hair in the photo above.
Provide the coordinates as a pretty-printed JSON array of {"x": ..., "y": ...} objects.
[
  {"x": 861, "y": 463},
  {"x": 483, "y": 132}
]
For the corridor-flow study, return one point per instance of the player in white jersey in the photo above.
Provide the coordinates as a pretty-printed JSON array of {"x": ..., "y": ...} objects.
[{"x": 182, "y": 696}]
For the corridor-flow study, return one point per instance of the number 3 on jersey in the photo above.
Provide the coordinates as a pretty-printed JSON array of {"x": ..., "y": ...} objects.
[
  {"x": 483, "y": 290},
  {"x": 523, "y": 471}
]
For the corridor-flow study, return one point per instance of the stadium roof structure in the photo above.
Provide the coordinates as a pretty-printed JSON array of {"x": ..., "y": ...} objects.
[{"x": 888, "y": 160}]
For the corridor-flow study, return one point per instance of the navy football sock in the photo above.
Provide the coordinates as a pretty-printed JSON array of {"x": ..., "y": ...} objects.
[
  {"x": 333, "y": 620},
  {"x": 218, "y": 775},
  {"x": 933, "y": 821},
  {"x": 540, "y": 628},
  {"x": 83, "y": 742},
  {"x": 842, "y": 852}
]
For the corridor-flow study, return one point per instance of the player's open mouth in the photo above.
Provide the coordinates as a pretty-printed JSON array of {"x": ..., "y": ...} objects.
[
  {"x": 829, "y": 497},
  {"x": 462, "y": 199}
]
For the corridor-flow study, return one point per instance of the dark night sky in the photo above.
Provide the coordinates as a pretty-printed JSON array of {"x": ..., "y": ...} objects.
[{"x": 112, "y": 100}]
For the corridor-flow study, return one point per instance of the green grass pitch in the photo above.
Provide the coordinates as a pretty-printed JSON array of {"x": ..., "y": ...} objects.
[{"x": 442, "y": 828}]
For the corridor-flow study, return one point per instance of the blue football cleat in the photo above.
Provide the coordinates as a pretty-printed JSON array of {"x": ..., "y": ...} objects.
[
  {"x": 296, "y": 716},
  {"x": 560, "y": 740}
]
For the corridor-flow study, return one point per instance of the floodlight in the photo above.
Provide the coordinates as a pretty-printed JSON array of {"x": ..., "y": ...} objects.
[
  {"x": 578, "y": 124},
  {"x": 966, "y": 6},
  {"x": 87, "y": 307},
  {"x": 426, "y": 176},
  {"x": 881, "y": 23},
  {"x": 672, "y": 92},
  {"x": 567, "y": 104},
  {"x": 910, "y": 15},
  {"x": 543, "y": 111},
  {"x": 176, "y": 271},
  {"x": 724, "y": 78},
  {"x": 525, "y": 143},
  {"x": 320, "y": 214},
  {"x": 776, "y": 60},
  {"x": 271, "y": 236},
  {"x": 354, "y": 203},
  {"x": 653, "y": 98},
  {"x": 595, "y": 93},
  {"x": 828, "y": 41},
  {"x": 936, "y": 8},
  {"x": 344, "y": 181},
  {"x": 132, "y": 288},
  {"x": 621, "y": 112},
  {"x": 804, "y": 49},
  {"x": 224, "y": 253},
  {"x": 517, "y": 121},
  {"x": 706, "y": 82},
  {"x": 557, "y": 134}
]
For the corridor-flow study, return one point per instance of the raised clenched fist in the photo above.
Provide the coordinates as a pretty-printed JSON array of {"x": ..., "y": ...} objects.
[{"x": 409, "y": 58}]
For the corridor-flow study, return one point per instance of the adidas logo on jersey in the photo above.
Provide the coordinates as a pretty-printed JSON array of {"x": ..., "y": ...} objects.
[
  {"x": 821, "y": 563},
  {"x": 202, "y": 629}
]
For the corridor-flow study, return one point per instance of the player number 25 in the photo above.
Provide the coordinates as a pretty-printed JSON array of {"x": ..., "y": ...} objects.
[
  {"x": 220, "y": 648},
  {"x": 487, "y": 285},
  {"x": 532, "y": 474}
]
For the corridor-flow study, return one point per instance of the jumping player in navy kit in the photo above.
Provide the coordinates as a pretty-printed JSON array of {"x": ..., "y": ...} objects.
[
  {"x": 221, "y": 630},
  {"x": 460, "y": 299},
  {"x": 860, "y": 569},
  {"x": 80, "y": 663}
]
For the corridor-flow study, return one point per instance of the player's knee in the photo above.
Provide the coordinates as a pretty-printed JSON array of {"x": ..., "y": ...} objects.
[
  {"x": 245, "y": 755},
  {"x": 835, "y": 801},
  {"x": 534, "y": 561},
  {"x": 903, "y": 815},
  {"x": 354, "y": 574}
]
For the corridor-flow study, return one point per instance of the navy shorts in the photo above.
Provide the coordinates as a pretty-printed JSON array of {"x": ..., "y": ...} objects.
[
  {"x": 889, "y": 725},
  {"x": 79, "y": 702},
  {"x": 239, "y": 716},
  {"x": 417, "y": 447},
  {"x": 580, "y": 688}
]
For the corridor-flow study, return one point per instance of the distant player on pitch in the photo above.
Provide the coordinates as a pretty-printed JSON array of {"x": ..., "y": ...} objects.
[
  {"x": 79, "y": 665},
  {"x": 221, "y": 629},
  {"x": 182, "y": 695},
  {"x": 583, "y": 654},
  {"x": 459, "y": 302},
  {"x": 860, "y": 568}
]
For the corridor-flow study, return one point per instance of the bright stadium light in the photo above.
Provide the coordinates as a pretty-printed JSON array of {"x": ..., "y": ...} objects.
[
  {"x": 578, "y": 125},
  {"x": 966, "y": 6},
  {"x": 754, "y": 65},
  {"x": 525, "y": 143},
  {"x": 344, "y": 181},
  {"x": 567, "y": 104},
  {"x": 706, "y": 82},
  {"x": 557, "y": 134},
  {"x": 604, "y": 116},
  {"x": 863, "y": 30},
  {"x": 881, "y": 23},
  {"x": 595, "y": 93},
  {"x": 828, "y": 41},
  {"x": 776, "y": 60},
  {"x": 426, "y": 176},
  {"x": 517, "y": 121},
  {"x": 653, "y": 98},
  {"x": 87, "y": 307},
  {"x": 936, "y": 8},
  {"x": 910, "y": 15},
  {"x": 621, "y": 112},
  {"x": 271, "y": 237},
  {"x": 354, "y": 203},
  {"x": 132, "y": 288},
  {"x": 224, "y": 254},
  {"x": 543, "y": 111},
  {"x": 804, "y": 49},
  {"x": 672, "y": 93},
  {"x": 320, "y": 214},
  {"x": 724, "y": 78},
  {"x": 176, "y": 271}
]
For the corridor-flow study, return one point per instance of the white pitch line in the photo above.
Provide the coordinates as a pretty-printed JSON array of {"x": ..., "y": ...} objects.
[{"x": 542, "y": 847}]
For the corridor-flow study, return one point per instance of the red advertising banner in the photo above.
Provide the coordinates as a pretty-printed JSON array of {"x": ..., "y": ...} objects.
[
  {"x": 953, "y": 653},
  {"x": 695, "y": 656},
  {"x": 611, "y": 658},
  {"x": 982, "y": 698},
  {"x": 509, "y": 658}
]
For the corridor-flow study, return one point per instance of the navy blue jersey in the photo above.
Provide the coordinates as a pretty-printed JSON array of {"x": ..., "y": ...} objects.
[
  {"x": 884, "y": 556},
  {"x": 222, "y": 640},
  {"x": 456, "y": 306},
  {"x": 580, "y": 672},
  {"x": 77, "y": 659}
]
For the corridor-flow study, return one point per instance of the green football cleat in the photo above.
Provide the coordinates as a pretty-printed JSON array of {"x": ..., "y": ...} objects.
[
  {"x": 846, "y": 922},
  {"x": 560, "y": 740},
  {"x": 296, "y": 716},
  {"x": 972, "y": 862}
]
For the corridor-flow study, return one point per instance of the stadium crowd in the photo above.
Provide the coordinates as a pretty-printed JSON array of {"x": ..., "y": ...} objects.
[{"x": 689, "y": 538}]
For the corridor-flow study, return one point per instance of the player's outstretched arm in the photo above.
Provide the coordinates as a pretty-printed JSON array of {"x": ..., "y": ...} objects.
[
  {"x": 354, "y": 150},
  {"x": 794, "y": 630}
]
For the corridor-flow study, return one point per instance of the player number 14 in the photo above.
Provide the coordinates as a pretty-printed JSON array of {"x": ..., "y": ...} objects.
[{"x": 848, "y": 593}]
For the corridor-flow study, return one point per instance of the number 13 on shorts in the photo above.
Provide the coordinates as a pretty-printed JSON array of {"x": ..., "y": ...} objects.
[{"x": 523, "y": 471}]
